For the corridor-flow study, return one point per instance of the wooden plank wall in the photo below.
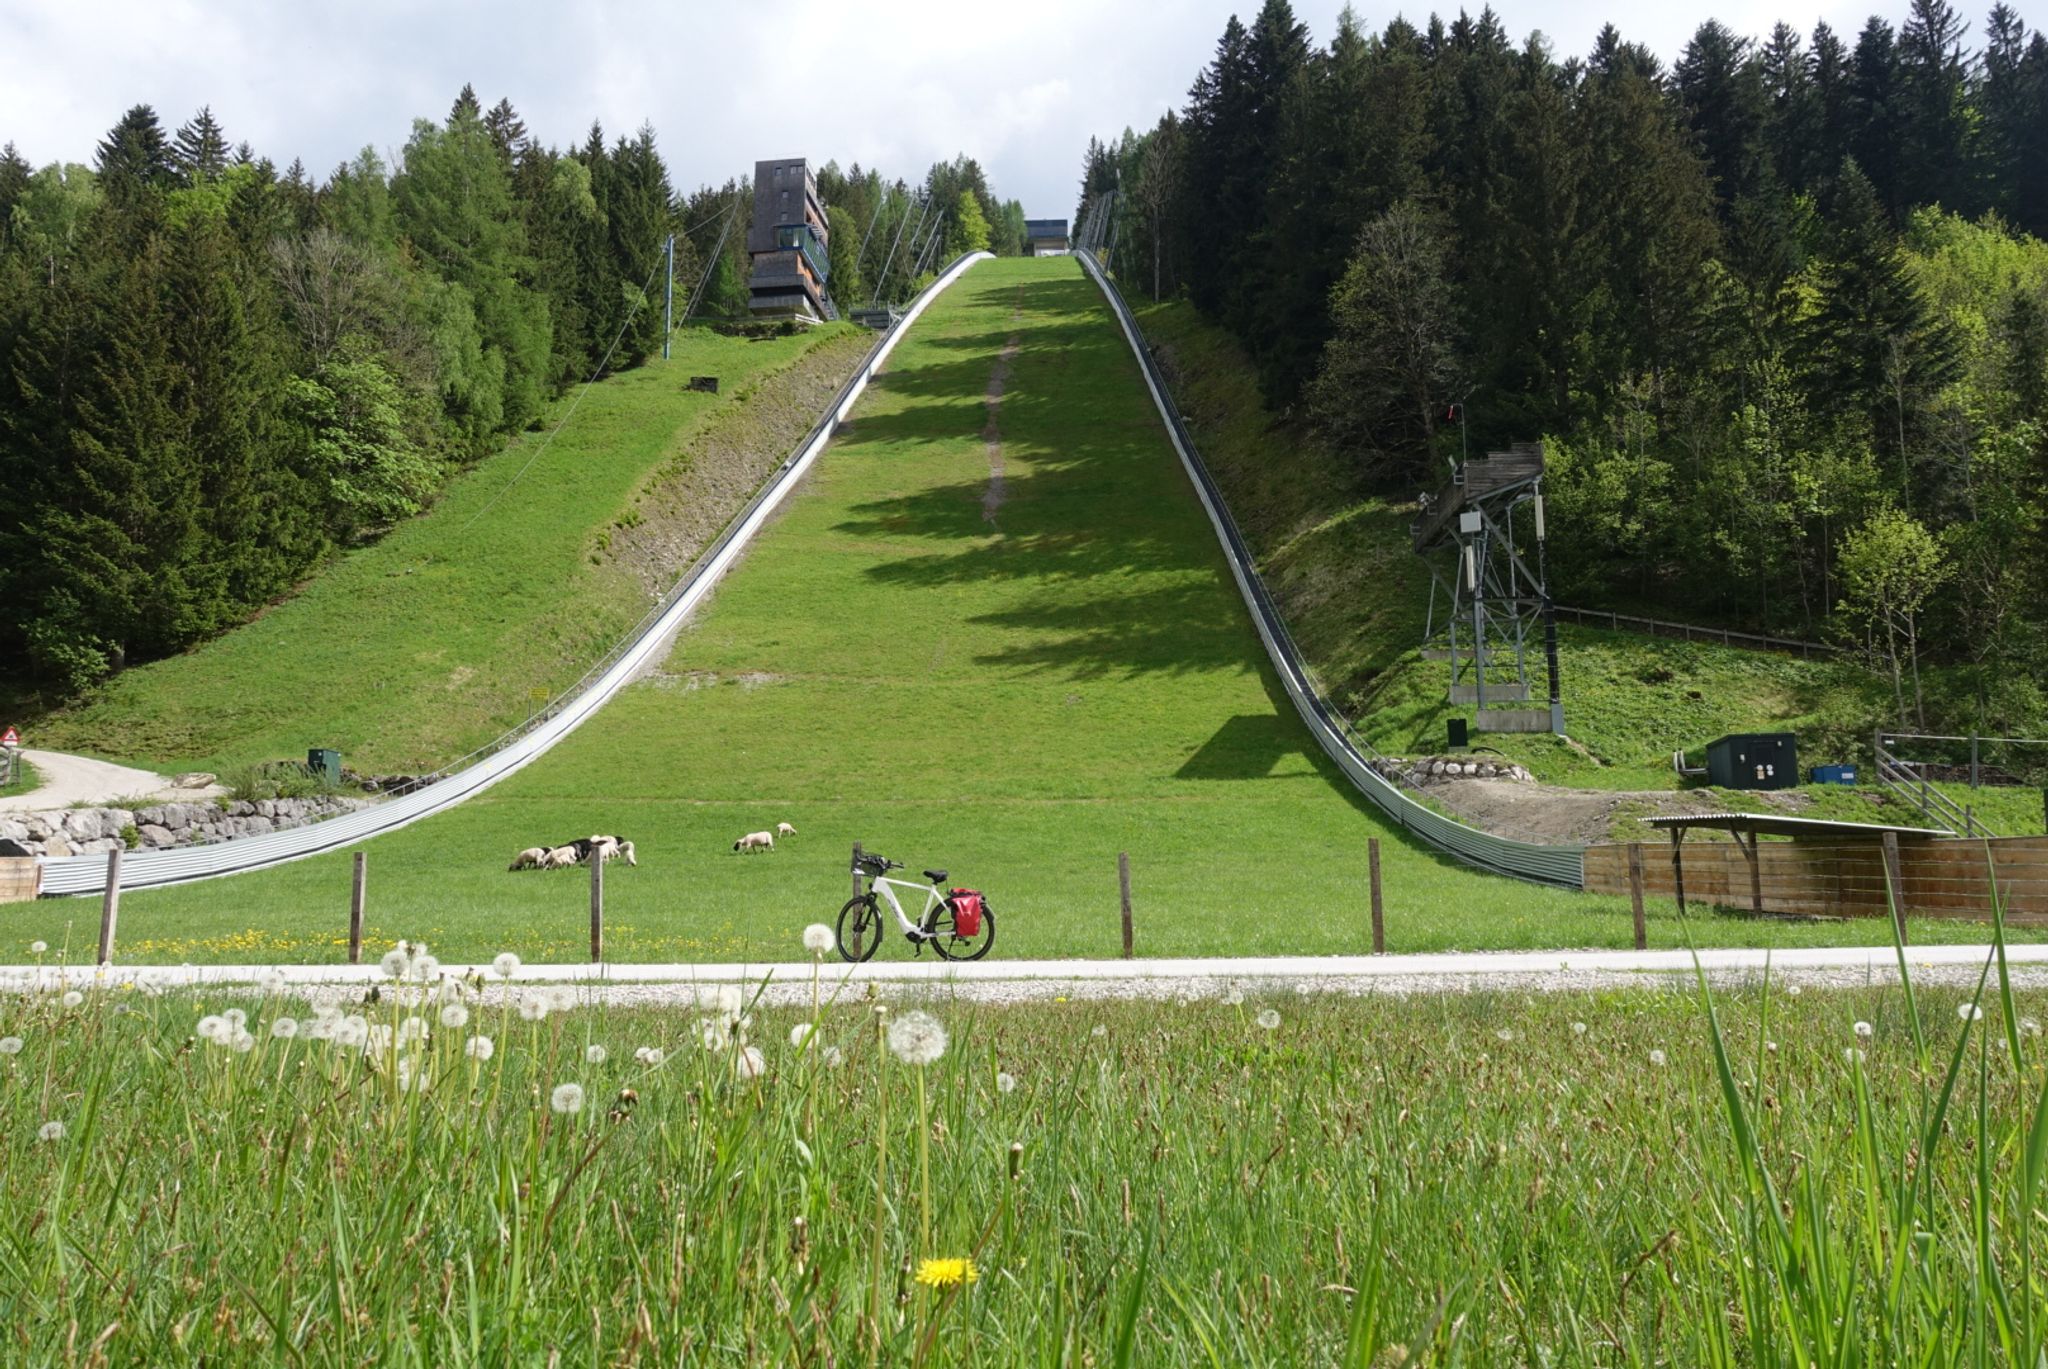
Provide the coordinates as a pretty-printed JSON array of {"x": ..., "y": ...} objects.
[
  {"x": 1942, "y": 878},
  {"x": 21, "y": 878}
]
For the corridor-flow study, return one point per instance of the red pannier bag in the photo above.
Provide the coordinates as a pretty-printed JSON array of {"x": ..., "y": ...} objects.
[{"x": 966, "y": 913}]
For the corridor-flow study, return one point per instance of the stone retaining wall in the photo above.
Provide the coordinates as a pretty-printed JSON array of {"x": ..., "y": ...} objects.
[
  {"x": 1426, "y": 770},
  {"x": 73, "y": 831}
]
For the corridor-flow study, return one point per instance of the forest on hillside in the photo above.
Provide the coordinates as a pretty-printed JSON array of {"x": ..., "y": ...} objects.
[
  {"x": 1780, "y": 310},
  {"x": 213, "y": 373}
]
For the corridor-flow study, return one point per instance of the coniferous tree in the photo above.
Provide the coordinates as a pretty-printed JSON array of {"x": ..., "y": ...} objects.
[
  {"x": 134, "y": 157},
  {"x": 1874, "y": 121},
  {"x": 1721, "y": 85},
  {"x": 1935, "y": 154},
  {"x": 200, "y": 151},
  {"x": 507, "y": 130}
]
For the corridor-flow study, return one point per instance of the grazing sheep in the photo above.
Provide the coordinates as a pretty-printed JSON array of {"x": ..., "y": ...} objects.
[
  {"x": 625, "y": 849},
  {"x": 783, "y": 829},
  {"x": 529, "y": 859},
  {"x": 755, "y": 841},
  {"x": 561, "y": 858}
]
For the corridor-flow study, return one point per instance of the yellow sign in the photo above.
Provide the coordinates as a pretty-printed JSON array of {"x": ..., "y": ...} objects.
[{"x": 539, "y": 694}]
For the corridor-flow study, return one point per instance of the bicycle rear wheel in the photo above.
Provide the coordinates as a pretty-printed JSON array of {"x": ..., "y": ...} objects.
[
  {"x": 948, "y": 942},
  {"x": 860, "y": 928}
]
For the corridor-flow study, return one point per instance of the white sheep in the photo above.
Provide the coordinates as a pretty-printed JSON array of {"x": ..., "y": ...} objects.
[
  {"x": 755, "y": 841},
  {"x": 783, "y": 829},
  {"x": 561, "y": 858},
  {"x": 529, "y": 859},
  {"x": 611, "y": 848}
]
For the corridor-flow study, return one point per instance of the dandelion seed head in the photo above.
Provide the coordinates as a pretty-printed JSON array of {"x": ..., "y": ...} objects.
[
  {"x": 1303, "y": 989},
  {"x": 1005, "y": 1082},
  {"x": 562, "y": 999},
  {"x": 533, "y": 1007},
  {"x": 1791, "y": 991},
  {"x": 212, "y": 1027},
  {"x": 426, "y": 968},
  {"x": 242, "y": 1043},
  {"x": 1771, "y": 1046},
  {"x": 1267, "y": 1018},
  {"x": 50, "y": 1131},
  {"x": 478, "y": 1048},
  {"x": 1864, "y": 1030},
  {"x": 1657, "y": 1058},
  {"x": 1969, "y": 1012},
  {"x": 1578, "y": 1029},
  {"x": 394, "y": 962},
  {"x": 833, "y": 1058},
  {"x": 412, "y": 1075},
  {"x": 817, "y": 938},
  {"x": 800, "y": 1033},
  {"x": 566, "y": 1098},
  {"x": 505, "y": 964},
  {"x": 10, "y": 1045},
  {"x": 72, "y": 998},
  {"x": 750, "y": 1063},
  {"x": 38, "y": 947},
  {"x": 412, "y": 1029},
  {"x": 594, "y": 1054},
  {"x": 1099, "y": 1029},
  {"x": 285, "y": 1028},
  {"x": 1504, "y": 1034},
  {"x": 272, "y": 983},
  {"x": 917, "y": 1038},
  {"x": 454, "y": 1015},
  {"x": 713, "y": 1032},
  {"x": 1853, "y": 1055},
  {"x": 236, "y": 1018}
]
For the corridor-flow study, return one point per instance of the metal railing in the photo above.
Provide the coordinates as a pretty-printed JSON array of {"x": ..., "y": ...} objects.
[
  {"x": 1563, "y": 865},
  {"x": 487, "y": 764},
  {"x": 1692, "y": 632}
]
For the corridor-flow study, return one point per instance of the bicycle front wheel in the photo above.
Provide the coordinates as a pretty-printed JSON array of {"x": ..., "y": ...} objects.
[
  {"x": 860, "y": 928},
  {"x": 946, "y": 938}
]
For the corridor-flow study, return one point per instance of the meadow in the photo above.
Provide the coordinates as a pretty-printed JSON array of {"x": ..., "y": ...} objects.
[
  {"x": 411, "y": 650},
  {"x": 449, "y": 1176},
  {"x": 1013, "y": 661}
]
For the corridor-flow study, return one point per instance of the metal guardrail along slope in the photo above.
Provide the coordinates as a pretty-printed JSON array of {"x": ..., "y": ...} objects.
[
  {"x": 484, "y": 767},
  {"x": 1563, "y": 865}
]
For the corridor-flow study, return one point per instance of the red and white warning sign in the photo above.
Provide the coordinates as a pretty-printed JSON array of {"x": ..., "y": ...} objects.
[{"x": 10, "y": 738}]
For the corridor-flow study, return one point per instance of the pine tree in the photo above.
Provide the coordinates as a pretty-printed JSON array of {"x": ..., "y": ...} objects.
[
  {"x": 1935, "y": 150},
  {"x": 133, "y": 157},
  {"x": 1875, "y": 125},
  {"x": 967, "y": 228},
  {"x": 14, "y": 179},
  {"x": 466, "y": 105},
  {"x": 638, "y": 221},
  {"x": 200, "y": 151},
  {"x": 507, "y": 130},
  {"x": 1874, "y": 346},
  {"x": 1721, "y": 86}
]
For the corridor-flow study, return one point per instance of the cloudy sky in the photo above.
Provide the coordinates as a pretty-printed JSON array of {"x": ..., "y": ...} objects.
[{"x": 896, "y": 84}]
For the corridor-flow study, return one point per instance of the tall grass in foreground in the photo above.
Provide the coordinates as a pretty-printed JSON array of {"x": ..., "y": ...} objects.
[{"x": 448, "y": 1176}]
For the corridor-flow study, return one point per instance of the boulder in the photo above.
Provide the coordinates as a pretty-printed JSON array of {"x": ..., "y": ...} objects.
[
  {"x": 155, "y": 837},
  {"x": 56, "y": 846},
  {"x": 193, "y": 779}
]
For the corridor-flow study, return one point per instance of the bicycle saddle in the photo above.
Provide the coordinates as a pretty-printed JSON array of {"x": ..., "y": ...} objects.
[{"x": 936, "y": 876}]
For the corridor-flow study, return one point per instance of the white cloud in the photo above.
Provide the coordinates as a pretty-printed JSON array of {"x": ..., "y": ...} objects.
[{"x": 898, "y": 84}]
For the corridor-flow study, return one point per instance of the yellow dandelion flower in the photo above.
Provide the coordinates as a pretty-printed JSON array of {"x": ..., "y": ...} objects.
[{"x": 946, "y": 1273}]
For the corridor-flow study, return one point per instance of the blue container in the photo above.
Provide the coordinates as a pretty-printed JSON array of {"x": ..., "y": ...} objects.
[{"x": 1834, "y": 774}]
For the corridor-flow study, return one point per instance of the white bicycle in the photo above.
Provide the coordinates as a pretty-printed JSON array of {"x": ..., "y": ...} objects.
[{"x": 958, "y": 924}]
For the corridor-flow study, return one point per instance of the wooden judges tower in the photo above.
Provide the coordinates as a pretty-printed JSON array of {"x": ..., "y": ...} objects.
[{"x": 1487, "y": 598}]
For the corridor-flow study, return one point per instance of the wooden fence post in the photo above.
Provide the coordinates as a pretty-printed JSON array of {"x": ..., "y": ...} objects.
[
  {"x": 1635, "y": 893},
  {"x": 355, "y": 908},
  {"x": 1123, "y": 879},
  {"x": 110, "y": 906},
  {"x": 596, "y": 906},
  {"x": 1895, "y": 884},
  {"x": 1379, "y": 917},
  {"x": 1678, "y": 867},
  {"x": 856, "y": 870}
]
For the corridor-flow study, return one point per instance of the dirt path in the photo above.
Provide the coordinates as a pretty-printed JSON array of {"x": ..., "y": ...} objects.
[
  {"x": 69, "y": 780},
  {"x": 1553, "y": 815},
  {"x": 991, "y": 431}
]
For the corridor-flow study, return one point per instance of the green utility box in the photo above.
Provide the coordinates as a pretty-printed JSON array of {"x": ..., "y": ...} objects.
[{"x": 324, "y": 763}]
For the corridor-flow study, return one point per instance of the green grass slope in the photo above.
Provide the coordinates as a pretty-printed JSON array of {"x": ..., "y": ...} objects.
[
  {"x": 1356, "y": 598},
  {"x": 412, "y": 650},
  {"x": 1015, "y": 662}
]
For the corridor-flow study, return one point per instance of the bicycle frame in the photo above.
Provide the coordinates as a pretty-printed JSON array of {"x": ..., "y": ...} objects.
[{"x": 883, "y": 885}]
